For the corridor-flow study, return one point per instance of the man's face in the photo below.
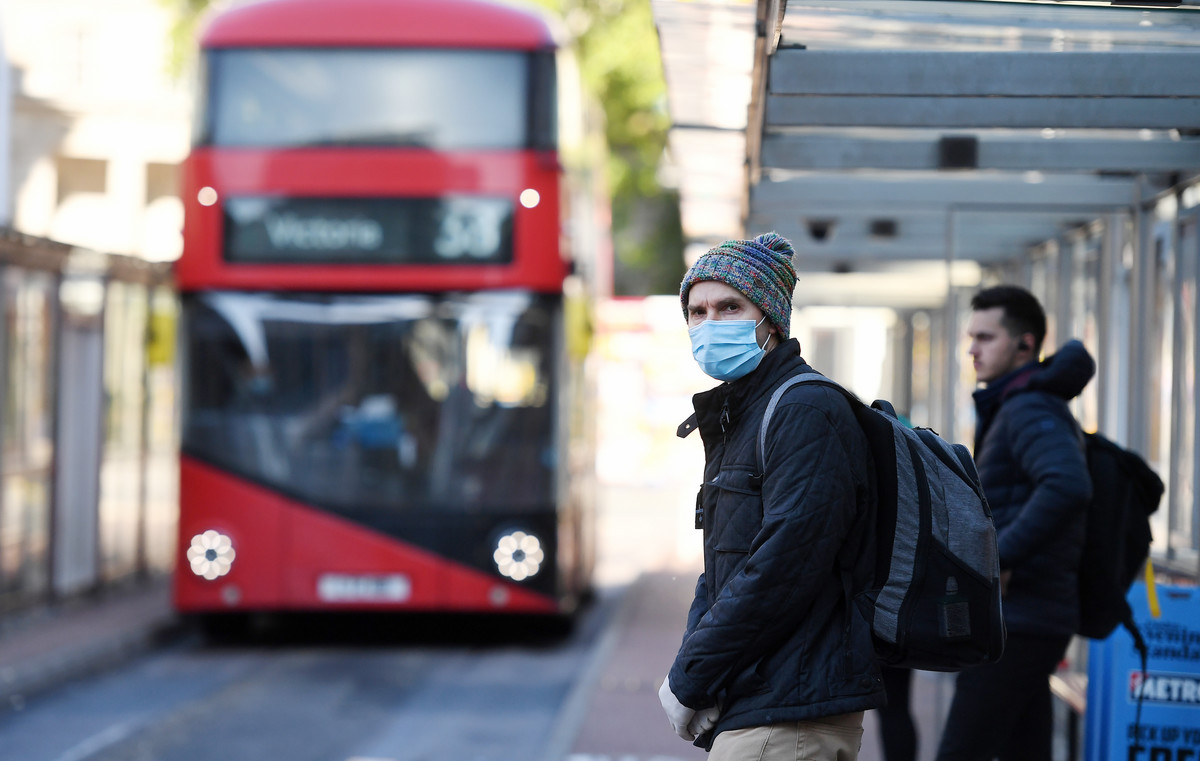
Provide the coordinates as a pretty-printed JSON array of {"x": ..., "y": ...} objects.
[
  {"x": 714, "y": 300},
  {"x": 994, "y": 351}
]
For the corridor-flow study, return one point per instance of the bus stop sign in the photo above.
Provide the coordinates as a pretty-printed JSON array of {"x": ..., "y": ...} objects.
[{"x": 1169, "y": 729}]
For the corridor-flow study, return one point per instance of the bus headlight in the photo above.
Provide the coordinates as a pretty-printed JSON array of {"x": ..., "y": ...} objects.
[
  {"x": 518, "y": 555},
  {"x": 211, "y": 554},
  {"x": 530, "y": 198}
]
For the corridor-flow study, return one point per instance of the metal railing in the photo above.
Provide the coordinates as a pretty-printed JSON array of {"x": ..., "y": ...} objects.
[{"x": 87, "y": 420}]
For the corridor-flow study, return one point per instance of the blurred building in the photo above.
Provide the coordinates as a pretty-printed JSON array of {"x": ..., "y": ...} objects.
[
  {"x": 94, "y": 130},
  {"x": 99, "y": 126}
]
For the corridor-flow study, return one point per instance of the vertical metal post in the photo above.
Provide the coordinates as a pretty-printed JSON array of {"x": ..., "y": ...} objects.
[
  {"x": 1063, "y": 309},
  {"x": 1193, "y": 272},
  {"x": 902, "y": 362},
  {"x": 4, "y": 365},
  {"x": 950, "y": 335},
  {"x": 1105, "y": 361},
  {"x": 1178, "y": 374},
  {"x": 141, "y": 565},
  {"x": 1120, "y": 346},
  {"x": 937, "y": 364},
  {"x": 80, "y": 411},
  {"x": 6, "y": 108},
  {"x": 1141, "y": 300}
]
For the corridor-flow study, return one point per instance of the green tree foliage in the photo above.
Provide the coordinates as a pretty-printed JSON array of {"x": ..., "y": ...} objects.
[
  {"x": 617, "y": 48},
  {"x": 187, "y": 15}
]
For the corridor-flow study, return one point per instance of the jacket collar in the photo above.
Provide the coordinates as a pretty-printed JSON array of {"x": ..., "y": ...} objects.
[
  {"x": 989, "y": 398},
  {"x": 1063, "y": 374}
]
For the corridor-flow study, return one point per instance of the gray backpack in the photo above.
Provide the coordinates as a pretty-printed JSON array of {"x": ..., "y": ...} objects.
[{"x": 935, "y": 602}]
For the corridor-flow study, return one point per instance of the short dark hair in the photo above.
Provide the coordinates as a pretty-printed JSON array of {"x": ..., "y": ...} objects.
[{"x": 1022, "y": 311}]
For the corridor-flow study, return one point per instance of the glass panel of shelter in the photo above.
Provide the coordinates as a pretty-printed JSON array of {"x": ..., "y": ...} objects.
[
  {"x": 1160, "y": 369},
  {"x": 121, "y": 470},
  {"x": 26, "y": 436},
  {"x": 162, "y": 426},
  {"x": 1183, "y": 540}
]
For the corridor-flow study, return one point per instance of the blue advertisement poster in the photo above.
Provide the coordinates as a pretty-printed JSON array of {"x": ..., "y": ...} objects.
[{"x": 1169, "y": 729}]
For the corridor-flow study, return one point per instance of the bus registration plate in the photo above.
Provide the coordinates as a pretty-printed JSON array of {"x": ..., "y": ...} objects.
[{"x": 335, "y": 587}]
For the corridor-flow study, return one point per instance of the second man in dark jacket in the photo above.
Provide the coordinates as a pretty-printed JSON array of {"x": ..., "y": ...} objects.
[{"x": 1029, "y": 451}]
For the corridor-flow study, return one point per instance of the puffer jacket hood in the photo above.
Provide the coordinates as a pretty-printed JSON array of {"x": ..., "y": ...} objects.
[{"x": 1065, "y": 373}]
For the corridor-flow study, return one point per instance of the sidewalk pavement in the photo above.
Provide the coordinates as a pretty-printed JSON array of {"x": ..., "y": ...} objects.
[
  {"x": 43, "y": 648},
  {"x": 615, "y": 714}
]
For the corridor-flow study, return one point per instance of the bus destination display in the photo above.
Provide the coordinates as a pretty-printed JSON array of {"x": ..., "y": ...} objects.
[{"x": 463, "y": 230}]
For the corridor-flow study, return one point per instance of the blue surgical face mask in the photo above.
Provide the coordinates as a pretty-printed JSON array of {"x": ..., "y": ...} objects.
[{"x": 727, "y": 349}]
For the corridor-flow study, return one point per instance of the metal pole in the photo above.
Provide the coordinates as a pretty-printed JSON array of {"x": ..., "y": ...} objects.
[{"x": 950, "y": 335}]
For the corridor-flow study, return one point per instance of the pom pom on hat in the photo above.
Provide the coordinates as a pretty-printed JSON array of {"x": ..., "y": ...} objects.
[{"x": 761, "y": 269}]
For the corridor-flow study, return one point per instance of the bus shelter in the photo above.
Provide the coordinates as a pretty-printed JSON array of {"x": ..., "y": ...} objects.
[{"x": 915, "y": 151}]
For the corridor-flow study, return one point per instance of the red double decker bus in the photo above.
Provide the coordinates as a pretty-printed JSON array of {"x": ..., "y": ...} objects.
[{"x": 380, "y": 406}]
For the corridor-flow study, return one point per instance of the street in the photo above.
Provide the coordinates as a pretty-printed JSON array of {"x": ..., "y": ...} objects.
[{"x": 367, "y": 691}]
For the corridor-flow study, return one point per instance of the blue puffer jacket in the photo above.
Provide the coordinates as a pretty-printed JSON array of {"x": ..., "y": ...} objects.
[
  {"x": 1029, "y": 452},
  {"x": 772, "y": 635}
]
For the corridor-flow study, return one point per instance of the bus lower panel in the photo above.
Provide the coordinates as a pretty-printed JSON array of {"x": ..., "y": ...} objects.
[{"x": 277, "y": 554}]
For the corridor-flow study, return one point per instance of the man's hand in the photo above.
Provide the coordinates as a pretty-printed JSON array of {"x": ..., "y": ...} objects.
[
  {"x": 1005, "y": 577},
  {"x": 678, "y": 714},
  {"x": 704, "y": 720}
]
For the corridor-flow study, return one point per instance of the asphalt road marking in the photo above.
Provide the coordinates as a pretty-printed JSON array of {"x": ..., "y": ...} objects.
[{"x": 98, "y": 742}]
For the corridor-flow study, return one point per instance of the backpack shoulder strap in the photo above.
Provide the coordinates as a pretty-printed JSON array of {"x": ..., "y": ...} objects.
[
  {"x": 761, "y": 449},
  {"x": 845, "y": 560}
]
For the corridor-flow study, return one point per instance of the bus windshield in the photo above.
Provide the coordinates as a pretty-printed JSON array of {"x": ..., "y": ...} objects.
[
  {"x": 436, "y": 99},
  {"x": 370, "y": 405}
]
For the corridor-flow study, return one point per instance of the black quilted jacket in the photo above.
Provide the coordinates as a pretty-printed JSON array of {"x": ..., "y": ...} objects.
[
  {"x": 1029, "y": 452},
  {"x": 772, "y": 635}
]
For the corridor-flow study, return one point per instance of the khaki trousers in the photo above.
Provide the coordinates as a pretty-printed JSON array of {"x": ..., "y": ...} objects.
[{"x": 830, "y": 738}]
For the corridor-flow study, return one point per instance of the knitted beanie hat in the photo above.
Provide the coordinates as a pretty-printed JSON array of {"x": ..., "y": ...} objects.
[{"x": 760, "y": 268}]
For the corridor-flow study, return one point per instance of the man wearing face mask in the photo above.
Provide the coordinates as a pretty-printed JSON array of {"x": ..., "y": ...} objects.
[{"x": 776, "y": 661}]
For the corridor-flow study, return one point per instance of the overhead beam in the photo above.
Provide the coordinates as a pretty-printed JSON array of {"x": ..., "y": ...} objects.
[
  {"x": 1031, "y": 26},
  {"x": 897, "y": 190},
  {"x": 982, "y": 112},
  {"x": 1009, "y": 74},
  {"x": 1005, "y": 153},
  {"x": 846, "y": 254},
  {"x": 822, "y": 241},
  {"x": 925, "y": 289},
  {"x": 959, "y": 89},
  {"x": 887, "y": 227}
]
